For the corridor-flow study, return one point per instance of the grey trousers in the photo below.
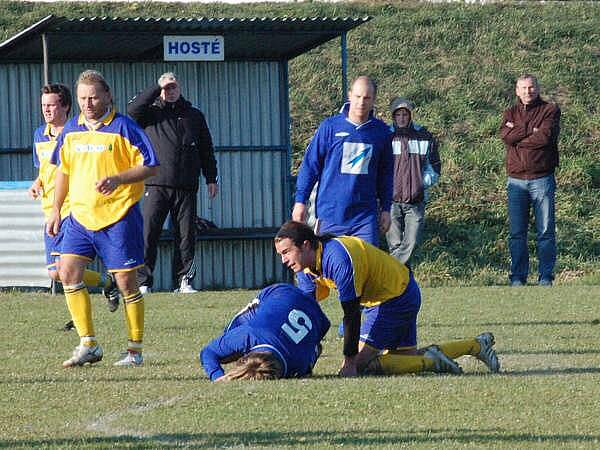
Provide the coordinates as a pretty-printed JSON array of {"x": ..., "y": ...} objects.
[{"x": 408, "y": 221}]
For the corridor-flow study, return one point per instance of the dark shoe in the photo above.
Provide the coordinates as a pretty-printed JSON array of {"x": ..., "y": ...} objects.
[
  {"x": 487, "y": 354},
  {"x": 545, "y": 282},
  {"x": 68, "y": 326},
  {"x": 112, "y": 294},
  {"x": 441, "y": 362},
  {"x": 373, "y": 367}
]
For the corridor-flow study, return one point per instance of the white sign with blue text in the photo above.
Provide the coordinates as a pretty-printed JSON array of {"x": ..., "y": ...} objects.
[{"x": 194, "y": 48}]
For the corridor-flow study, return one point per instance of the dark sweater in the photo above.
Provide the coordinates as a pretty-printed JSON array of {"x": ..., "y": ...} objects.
[
  {"x": 181, "y": 139},
  {"x": 532, "y": 144}
]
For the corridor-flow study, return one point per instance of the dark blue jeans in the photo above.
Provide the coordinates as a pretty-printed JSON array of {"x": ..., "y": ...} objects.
[{"x": 524, "y": 195}]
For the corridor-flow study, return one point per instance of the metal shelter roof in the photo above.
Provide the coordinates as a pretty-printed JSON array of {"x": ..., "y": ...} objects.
[{"x": 141, "y": 39}]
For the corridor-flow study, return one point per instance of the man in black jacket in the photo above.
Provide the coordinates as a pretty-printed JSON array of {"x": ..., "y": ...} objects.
[{"x": 184, "y": 148}]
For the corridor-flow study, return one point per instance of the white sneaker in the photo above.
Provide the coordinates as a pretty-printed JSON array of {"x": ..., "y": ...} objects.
[
  {"x": 131, "y": 359},
  {"x": 84, "y": 355},
  {"x": 185, "y": 287},
  {"x": 145, "y": 290},
  {"x": 487, "y": 354},
  {"x": 442, "y": 363}
]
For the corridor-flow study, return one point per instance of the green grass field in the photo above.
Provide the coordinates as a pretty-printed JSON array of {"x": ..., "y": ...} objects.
[{"x": 545, "y": 397}]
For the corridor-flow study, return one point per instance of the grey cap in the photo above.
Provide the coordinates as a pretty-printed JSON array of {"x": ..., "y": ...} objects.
[{"x": 400, "y": 102}]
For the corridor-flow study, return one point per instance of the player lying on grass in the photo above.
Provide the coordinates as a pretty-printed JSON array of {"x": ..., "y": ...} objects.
[
  {"x": 389, "y": 295},
  {"x": 278, "y": 335}
]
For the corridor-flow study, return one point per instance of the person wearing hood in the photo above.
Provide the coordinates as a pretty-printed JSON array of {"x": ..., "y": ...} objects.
[
  {"x": 417, "y": 167},
  {"x": 350, "y": 157},
  {"x": 184, "y": 146}
]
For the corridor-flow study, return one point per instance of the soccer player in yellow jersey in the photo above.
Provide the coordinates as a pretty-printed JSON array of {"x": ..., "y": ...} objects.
[
  {"x": 386, "y": 342},
  {"x": 102, "y": 158},
  {"x": 56, "y": 105}
]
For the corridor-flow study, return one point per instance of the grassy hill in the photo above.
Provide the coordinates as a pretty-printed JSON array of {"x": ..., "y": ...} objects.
[{"x": 458, "y": 63}]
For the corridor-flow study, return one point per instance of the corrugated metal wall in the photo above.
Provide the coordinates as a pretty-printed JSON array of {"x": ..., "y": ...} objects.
[
  {"x": 22, "y": 256},
  {"x": 241, "y": 100},
  {"x": 246, "y": 105}
]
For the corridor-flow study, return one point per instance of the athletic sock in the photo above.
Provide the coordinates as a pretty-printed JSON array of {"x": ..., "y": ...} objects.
[
  {"x": 88, "y": 341},
  {"x": 134, "y": 316},
  {"x": 92, "y": 278},
  {"x": 456, "y": 349},
  {"x": 80, "y": 307},
  {"x": 396, "y": 364}
]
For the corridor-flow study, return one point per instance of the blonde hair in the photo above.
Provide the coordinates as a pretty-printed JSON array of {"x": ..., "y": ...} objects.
[
  {"x": 93, "y": 77},
  {"x": 256, "y": 366}
]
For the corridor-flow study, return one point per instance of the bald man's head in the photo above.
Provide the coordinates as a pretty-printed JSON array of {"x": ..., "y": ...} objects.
[{"x": 362, "y": 99}]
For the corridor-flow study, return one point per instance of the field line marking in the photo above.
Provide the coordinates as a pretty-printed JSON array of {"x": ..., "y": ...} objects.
[{"x": 105, "y": 423}]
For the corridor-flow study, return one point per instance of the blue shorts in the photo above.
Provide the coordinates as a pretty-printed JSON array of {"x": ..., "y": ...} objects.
[
  {"x": 367, "y": 230},
  {"x": 120, "y": 245},
  {"x": 53, "y": 245},
  {"x": 393, "y": 324}
]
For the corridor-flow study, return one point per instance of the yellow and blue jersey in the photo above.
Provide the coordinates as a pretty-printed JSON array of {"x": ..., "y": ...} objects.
[
  {"x": 43, "y": 147},
  {"x": 285, "y": 322},
  {"x": 358, "y": 270},
  {"x": 88, "y": 155}
]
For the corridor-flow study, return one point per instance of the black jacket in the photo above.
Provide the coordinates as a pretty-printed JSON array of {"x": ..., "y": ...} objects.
[{"x": 181, "y": 139}]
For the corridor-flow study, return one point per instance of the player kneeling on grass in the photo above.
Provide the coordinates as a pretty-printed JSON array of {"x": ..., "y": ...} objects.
[
  {"x": 278, "y": 335},
  {"x": 390, "y": 299}
]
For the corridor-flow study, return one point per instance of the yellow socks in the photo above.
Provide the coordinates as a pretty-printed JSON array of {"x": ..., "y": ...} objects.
[
  {"x": 134, "y": 316},
  {"x": 92, "y": 278},
  {"x": 396, "y": 364},
  {"x": 456, "y": 349},
  {"x": 80, "y": 307}
]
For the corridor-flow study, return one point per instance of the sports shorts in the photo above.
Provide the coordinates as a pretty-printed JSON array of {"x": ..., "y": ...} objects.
[
  {"x": 53, "y": 245},
  {"x": 120, "y": 245},
  {"x": 393, "y": 324}
]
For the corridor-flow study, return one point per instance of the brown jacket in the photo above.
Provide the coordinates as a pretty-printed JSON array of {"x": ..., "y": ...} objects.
[
  {"x": 532, "y": 144},
  {"x": 417, "y": 164}
]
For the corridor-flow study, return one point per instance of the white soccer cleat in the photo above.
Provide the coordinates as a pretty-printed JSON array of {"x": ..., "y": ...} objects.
[
  {"x": 442, "y": 363},
  {"x": 145, "y": 290},
  {"x": 186, "y": 287},
  {"x": 112, "y": 293},
  {"x": 487, "y": 354},
  {"x": 84, "y": 355},
  {"x": 131, "y": 359}
]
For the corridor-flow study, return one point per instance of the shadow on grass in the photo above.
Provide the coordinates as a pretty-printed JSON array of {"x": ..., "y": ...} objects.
[
  {"x": 101, "y": 379},
  {"x": 366, "y": 438},
  {"x": 594, "y": 351},
  {"x": 528, "y": 323},
  {"x": 534, "y": 372}
]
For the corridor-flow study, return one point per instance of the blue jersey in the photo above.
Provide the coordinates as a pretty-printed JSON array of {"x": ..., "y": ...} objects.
[
  {"x": 354, "y": 167},
  {"x": 286, "y": 322}
]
